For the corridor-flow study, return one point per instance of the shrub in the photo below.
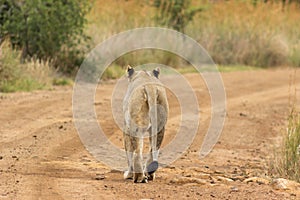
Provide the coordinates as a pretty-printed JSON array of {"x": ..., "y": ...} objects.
[
  {"x": 294, "y": 56},
  {"x": 175, "y": 14},
  {"x": 113, "y": 72},
  {"x": 46, "y": 29}
]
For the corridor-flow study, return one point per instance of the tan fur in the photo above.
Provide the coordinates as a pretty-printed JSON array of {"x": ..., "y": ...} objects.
[{"x": 145, "y": 109}]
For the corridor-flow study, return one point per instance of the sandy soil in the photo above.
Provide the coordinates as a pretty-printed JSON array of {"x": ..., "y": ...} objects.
[{"x": 42, "y": 157}]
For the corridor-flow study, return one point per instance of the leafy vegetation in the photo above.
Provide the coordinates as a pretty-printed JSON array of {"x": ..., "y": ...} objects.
[
  {"x": 62, "y": 81},
  {"x": 175, "y": 14},
  {"x": 113, "y": 72},
  {"x": 46, "y": 30}
]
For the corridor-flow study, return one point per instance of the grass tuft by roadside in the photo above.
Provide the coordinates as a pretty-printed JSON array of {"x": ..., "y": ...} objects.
[
  {"x": 286, "y": 161},
  {"x": 291, "y": 161},
  {"x": 29, "y": 75}
]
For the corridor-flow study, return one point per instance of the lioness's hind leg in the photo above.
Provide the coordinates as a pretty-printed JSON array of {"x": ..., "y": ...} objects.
[
  {"x": 129, "y": 153},
  {"x": 152, "y": 163},
  {"x": 138, "y": 172}
]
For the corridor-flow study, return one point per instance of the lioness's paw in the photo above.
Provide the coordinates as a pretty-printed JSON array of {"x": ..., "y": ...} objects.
[
  {"x": 128, "y": 175},
  {"x": 152, "y": 167},
  {"x": 151, "y": 177},
  {"x": 139, "y": 178}
]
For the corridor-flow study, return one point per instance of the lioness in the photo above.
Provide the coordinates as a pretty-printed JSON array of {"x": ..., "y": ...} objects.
[{"x": 145, "y": 109}]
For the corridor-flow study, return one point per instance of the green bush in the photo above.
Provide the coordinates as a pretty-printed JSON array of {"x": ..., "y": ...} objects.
[
  {"x": 295, "y": 56},
  {"x": 113, "y": 72},
  {"x": 46, "y": 29},
  {"x": 62, "y": 81},
  {"x": 175, "y": 14}
]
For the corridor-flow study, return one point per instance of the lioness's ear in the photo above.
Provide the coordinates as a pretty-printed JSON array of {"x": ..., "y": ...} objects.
[
  {"x": 129, "y": 71},
  {"x": 156, "y": 72}
]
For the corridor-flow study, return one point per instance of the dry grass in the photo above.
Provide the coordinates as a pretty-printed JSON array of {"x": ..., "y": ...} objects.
[
  {"x": 233, "y": 32},
  {"x": 286, "y": 162},
  {"x": 17, "y": 76},
  {"x": 236, "y": 32},
  {"x": 111, "y": 17}
]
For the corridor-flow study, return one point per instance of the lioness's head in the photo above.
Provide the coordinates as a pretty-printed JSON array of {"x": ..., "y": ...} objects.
[{"x": 131, "y": 73}]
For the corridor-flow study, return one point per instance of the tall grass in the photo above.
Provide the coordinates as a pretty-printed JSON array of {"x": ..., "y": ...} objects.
[
  {"x": 291, "y": 159},
  {"x": 236, "y": 32},
  {"x": 111, "y": 17},
  {"x": 18, "y": 76},
  {"x": 233, "y": 32},
  {"x": 286, "y": 162},
  {"x": 105, "y": 21}
]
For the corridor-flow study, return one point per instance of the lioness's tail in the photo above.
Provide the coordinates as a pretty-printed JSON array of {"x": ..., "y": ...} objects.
[{"x": 152, "y": 95}]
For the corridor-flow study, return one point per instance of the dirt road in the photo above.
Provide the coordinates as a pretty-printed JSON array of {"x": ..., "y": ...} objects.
[{"x": 42, "y": 157}]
